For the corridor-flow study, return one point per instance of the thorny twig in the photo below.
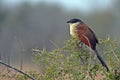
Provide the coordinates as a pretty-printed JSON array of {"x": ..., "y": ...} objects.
[
  {"x": 17, "y": 70},
  {"x": 114, "y": 53}
]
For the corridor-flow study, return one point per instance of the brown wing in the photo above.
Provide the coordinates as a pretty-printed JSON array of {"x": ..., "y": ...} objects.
[
  {"x": 88, "y": 37},
  {"x": 96, "y": 40}
]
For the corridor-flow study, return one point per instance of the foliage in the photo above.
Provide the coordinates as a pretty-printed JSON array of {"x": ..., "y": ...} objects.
[
  {"x": 73, "y": 63},
  {"x": 76, "y": 63}
]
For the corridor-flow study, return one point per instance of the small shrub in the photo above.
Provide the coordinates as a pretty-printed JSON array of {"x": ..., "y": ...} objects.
[{"x": 73, "y": 63}]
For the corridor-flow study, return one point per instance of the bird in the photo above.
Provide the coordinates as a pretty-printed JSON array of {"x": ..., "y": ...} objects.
[{"x": 80, "y": 30}]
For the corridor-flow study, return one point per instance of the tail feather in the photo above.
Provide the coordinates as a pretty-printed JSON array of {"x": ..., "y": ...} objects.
[{"x": 101, "y": 60}]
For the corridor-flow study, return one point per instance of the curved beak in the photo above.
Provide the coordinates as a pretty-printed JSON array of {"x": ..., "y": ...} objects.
[{"x": 68, "y": 21}]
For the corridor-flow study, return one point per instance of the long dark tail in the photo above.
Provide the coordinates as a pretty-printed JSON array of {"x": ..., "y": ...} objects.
[{"x": 101, "y": 60}]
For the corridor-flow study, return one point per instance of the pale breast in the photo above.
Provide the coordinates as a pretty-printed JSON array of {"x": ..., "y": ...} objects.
[{"x": 73, "y": 31}]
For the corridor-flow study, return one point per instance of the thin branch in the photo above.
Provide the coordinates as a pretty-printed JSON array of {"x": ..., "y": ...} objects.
[
  {"x": 17, "y": 70},
  {"x": 54, "y": 44},
  {"x": 89, "y": 64},
  {"x": 114, "y": 53}
]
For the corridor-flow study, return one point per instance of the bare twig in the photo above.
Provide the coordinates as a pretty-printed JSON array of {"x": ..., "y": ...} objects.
[
  {"x": 17, "y": 70},
  {"x": 22, "y": 52},
  {"x": 36, "y": 50},
  {"x": 54, "y": 44},
  {"x": 8, "y": 60},
  {"x": 89, "y": 64},
  {"x": 114, "y": 53}
]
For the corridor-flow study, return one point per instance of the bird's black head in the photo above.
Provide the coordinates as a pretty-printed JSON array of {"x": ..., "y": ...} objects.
[{"x": 74, "y": 20}]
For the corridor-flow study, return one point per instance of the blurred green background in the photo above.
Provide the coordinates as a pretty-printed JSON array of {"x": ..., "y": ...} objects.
[{"x": 28, "y": 24}]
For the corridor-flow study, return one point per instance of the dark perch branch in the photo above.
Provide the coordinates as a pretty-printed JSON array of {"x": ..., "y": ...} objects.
[{"x": 17, "y": 70}]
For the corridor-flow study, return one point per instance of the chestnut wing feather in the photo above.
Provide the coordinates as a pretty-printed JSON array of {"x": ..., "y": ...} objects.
[
  {"x": 91, "y": 37},
  {"x": 87, "y": 36},
  {"x": 96, "y": 40}
]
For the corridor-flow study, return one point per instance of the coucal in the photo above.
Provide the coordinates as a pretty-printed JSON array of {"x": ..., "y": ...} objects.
[{"x": 80, "y": 30}]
